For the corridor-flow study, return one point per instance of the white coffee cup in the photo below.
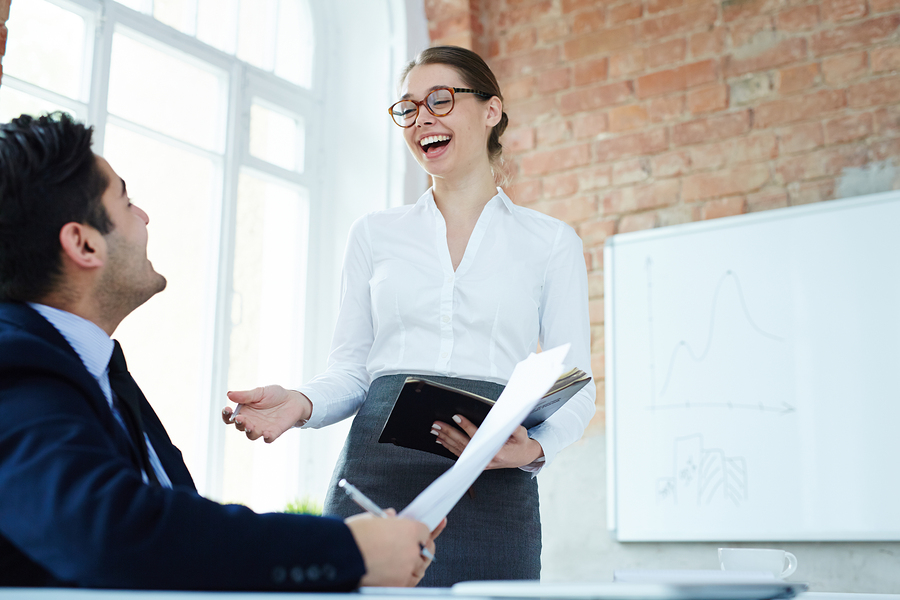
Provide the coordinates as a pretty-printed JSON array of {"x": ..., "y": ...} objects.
[{"x": 758, "y": 559}]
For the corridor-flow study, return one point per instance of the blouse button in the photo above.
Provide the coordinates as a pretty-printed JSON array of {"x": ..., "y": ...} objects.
[{"x": 445, "y": 318}]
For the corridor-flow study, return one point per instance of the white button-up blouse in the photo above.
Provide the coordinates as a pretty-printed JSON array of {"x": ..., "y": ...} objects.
[{"x": 522, "y": 282}]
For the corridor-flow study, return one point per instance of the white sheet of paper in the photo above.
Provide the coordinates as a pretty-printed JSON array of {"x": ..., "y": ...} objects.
[{"x": 530, "y": 380}]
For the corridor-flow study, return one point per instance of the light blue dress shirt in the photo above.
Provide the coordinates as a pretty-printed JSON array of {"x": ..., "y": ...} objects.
[{"x": 95, "y": 348}]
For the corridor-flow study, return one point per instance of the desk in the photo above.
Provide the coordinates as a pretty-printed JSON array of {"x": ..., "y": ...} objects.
[{"x": 391, "y": 594}]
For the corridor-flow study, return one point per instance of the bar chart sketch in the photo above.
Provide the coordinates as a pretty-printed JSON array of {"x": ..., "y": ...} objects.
[{"x": 703, "y": 475}]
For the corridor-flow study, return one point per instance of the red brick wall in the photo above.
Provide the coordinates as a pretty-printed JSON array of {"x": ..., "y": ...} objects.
[
  {"x": 4, "y": 15},
  {"x": 633, "y": 114}
]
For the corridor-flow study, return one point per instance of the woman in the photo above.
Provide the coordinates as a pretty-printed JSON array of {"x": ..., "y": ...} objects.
[{"x": 458, "y": 287}]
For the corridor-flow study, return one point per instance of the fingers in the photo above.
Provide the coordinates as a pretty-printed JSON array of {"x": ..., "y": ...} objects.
[
  {"x": 246, "y": 396},
  {"x": 437, "y": 530},
  {"x": 468, "y": 426},
  {"x": 448, "y": 436}
]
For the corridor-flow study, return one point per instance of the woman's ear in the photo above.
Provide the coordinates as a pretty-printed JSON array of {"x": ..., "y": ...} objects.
[
  {"x": 83, "y": 245},
  {"x": 494, "y": 111}
]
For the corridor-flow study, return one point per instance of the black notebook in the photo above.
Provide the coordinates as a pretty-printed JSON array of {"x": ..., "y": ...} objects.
[{"x": 422, "y": 402}]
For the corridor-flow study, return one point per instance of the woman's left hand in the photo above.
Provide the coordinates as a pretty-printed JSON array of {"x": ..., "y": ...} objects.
[{"x": 518, "y": 451}]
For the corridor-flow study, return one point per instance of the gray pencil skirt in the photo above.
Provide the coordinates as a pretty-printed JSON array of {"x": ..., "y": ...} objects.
[{"x": 494, "y": 532}]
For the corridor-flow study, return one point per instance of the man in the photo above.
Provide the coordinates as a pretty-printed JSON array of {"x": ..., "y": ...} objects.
[{"x": 92, "y": 491}]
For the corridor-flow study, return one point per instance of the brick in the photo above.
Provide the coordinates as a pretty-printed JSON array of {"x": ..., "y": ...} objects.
[
  {"x": 655, "y": 6},
  {"x": 441, "y": 9},
  {"x": 526, "y": 64},
  {"x": 887, "y": 121},
  {"x": 524, "y": 15},
  {"x": 635, "y": 144},
  {"x": 554, "y": 31},
  {"x": 599, "y": 43},
  {"x": 750, "y": 89},
  {"x": 679, "y": 23},
  {"x": 798, "y": 108},
  {"x": 887, "y": 150},
  {"x": 597, "y": 332},
  {"x": 590, "y": 71},
  {"x": 571, "y": 210},
  {"x": 657, "y": 194},
  {"x": 666, "y": 108},
  {"x": 876, "y": 92},
  {"x": 843, "y": 10},
  {"x": 624, "y": 12},
  {"x": 626, "y": 64},
  {"x": 760, "y": 147},
  {"x": 520, "y": 41},
  {"x": 519, "y": 140},
  {"x": 880, "y": 6},
  {"x": 838, "y": 70},
  {"x": 707, "y": 42},
  {"x": 753, "y": 32},
  {"x": 594, "y": 97},
  {"x": 525, "y": 192},
  {"x": 570, "y": 6},
  {"x": 822, "y": 163},
  {"x": 623, "y": 118},
  {"x": 595, "y": 177},
  {"x": 637, "y": 222},
  {"x": 710, "y": 156},
  {"x": 665, "y": 53},
  {"x": 4, "y": 34},
  {"x": 558, "y": 186},
  {"x": 767, "y": 200},
  {"x": 529, "y": 112},
  {"x": 885, "y": 59},
  {"x": 4, "y": 10},
  {"x": 596, "y": 311},
  {"x": 797, "y": 78},
  {"x": 450, "y": 26},
  {"x": 671, "y": 164},
  {"x": 709, "y": 99},
  {"x": 594, "y": 233},
  {"x": 552, "y": 133},
  {"x": 801, "y": 18},
  {"x": 732, "y": 10},
  {"x": 848, "y": 128},
  {"x": 677, "y": 215},
  {"x": 781, "y": 53},
  {"x": 549, "y": 82},
  {"x": 518, "y": 89},
  {"x": 630, "y": 171},
  {"x": 678, "y": 79},
  {"x": 727, "y": 182},
  {"x": 590, "y": 125},
  {"x": 711, "y": 128},
  {"x": 855, "y": 36},
  {"x": 801, "y": 138},
  {"x": 550, "y": 161},
  {"x": 589, "y": 20},
  {"x": 809, "y": 192},
  {"x": 595, "y": 290},
  {"x": 724, "y": 207}
]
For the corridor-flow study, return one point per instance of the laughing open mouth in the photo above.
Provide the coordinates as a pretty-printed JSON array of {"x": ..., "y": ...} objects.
[{"x": 433, "y": 143}]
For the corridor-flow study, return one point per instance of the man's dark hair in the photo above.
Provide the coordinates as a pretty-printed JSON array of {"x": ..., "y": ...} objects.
[{"x": 48, "y": 177}]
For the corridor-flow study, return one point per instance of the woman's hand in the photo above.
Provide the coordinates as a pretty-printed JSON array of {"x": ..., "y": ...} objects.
[
  {"x": 518, "y": 451},
  {"x": 267, "y": 412}
]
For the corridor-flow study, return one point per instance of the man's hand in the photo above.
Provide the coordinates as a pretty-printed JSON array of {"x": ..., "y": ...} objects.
[
  {"x": 518, "y": 451},
  {"x": 267, "y": 412},
  {"x": 392, "y": 548}
]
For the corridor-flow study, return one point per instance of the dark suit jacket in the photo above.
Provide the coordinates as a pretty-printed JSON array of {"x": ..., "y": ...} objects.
[{"x": 75, "y": 512}]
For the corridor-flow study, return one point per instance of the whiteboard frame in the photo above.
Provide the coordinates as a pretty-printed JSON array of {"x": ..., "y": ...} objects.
[{"x": 609, "y": 251}]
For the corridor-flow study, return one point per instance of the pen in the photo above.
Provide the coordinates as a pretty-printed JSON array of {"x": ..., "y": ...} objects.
[
  {"x": 237, "y": 409},
  {"x": 370, "y": 507}
]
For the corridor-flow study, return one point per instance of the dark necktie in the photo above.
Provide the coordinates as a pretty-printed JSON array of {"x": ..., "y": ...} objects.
[{"x": 126, "y": 391}]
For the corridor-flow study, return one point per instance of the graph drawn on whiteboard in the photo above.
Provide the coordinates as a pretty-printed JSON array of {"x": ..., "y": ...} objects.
[
  {"x": 705, "y": 476},
  {"x": 683, "y": 348}
]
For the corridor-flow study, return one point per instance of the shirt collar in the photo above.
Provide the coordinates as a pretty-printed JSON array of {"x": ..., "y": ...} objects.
[
  {"x": 91, "y": 343},
  {"x": 426, "y": 200}
]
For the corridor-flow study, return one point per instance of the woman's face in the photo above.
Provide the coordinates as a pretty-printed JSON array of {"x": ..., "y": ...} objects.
[{"x": 455, "y": 143}]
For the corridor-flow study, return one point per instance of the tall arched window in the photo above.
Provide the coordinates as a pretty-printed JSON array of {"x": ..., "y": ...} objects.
[{"x": 252, "y": 133}]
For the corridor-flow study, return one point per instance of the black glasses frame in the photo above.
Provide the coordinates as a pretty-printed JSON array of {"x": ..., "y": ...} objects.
[{"x": 419, "y": 103}]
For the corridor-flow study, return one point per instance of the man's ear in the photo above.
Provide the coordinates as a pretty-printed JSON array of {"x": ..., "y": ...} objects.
[
  {"x": 83, "y": 245},
  {"x": 494, "y": 111}
]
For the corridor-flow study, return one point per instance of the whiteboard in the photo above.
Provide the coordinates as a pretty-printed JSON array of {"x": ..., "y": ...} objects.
[{"x": 752, "y": 365}]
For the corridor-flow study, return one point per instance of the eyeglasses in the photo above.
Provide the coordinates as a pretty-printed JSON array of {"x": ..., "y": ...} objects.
[{"x": 439, "y": 102}]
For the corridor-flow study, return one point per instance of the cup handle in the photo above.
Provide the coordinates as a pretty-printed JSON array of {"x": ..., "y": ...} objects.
[{"x": 792, "y": 565}]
